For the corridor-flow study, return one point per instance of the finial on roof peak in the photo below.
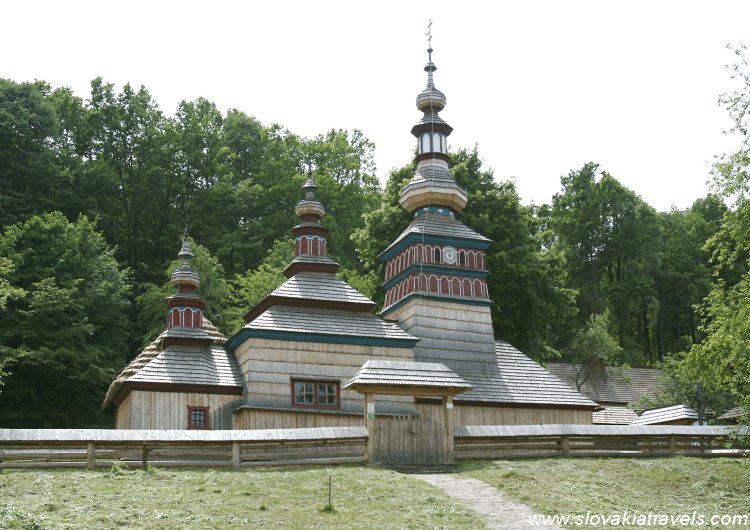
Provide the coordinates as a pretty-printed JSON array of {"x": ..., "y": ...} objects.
[{"x": 310, "y": 208}]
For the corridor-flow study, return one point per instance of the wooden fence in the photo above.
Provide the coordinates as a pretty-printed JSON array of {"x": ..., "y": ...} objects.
[
  {"x": 45, "y": 448},
  {"x": 535, "y": 441}
]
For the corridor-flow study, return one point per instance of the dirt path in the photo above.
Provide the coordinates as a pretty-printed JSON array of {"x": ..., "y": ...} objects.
[{"x": 501, "y": 512}]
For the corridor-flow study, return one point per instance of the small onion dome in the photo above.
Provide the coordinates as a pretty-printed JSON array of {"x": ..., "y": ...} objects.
[
  {"x": 184, "y": 276},
  {"x": 309, "y": 206},
  {"x": 430, "y": 97}
]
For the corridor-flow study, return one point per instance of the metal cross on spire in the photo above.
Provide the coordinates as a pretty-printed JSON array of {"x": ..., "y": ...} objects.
[{"x": 429, "y": 39}]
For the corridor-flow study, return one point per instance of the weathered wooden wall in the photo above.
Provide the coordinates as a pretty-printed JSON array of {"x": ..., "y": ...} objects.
[
  {"x": 268, "y": 367},
  {"x": 168, "y": 410},
  {"x": 247, "y": 417},
  {"x": 473, "y": 415},
  {"x": 457, "y": 335}
]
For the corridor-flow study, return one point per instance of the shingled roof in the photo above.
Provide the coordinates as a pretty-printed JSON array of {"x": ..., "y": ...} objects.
[
  {"x": 407, "y": 374},
  {"x": 180, "y": 365},
  {"x": 521, "y": 381},
  {"x": 680, "y": 413},
  {"x": 313, "y": 289},
  {"x": 614, "y": 416},
  {"x": 312, "y": 321},
  {"x": 733, "y": 414},
  {"x": 437, "y": 225},
  {"x": 622, "y": 385}
]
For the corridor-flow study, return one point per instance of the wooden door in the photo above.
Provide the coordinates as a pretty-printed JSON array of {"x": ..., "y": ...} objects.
[{"x": 409, "y": 439}]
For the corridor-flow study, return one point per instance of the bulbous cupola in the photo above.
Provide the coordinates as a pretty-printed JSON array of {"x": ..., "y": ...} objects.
[
  {"x": 310, "y": 236},
  {"x": 185, "y": 307},
  {"x": 432, "y": 184}
]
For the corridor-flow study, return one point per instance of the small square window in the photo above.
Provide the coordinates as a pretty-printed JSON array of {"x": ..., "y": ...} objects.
[
  {"x": 326, "y": 394},
  {"x": 198, "y": 418},
  {"x": 303, "y": 393},
  {"x": 315, "y": 394}
]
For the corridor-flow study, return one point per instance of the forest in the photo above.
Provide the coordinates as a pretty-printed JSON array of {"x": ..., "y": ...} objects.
[{"x": 97, "y": 191}]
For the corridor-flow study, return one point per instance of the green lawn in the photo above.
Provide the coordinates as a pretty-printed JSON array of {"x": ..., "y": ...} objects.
[
  {"x": 363, "y": 497},
  {"x": 576, "y": 486}
]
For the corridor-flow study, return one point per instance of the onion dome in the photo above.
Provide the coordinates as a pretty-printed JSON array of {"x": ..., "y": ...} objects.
[
  {"x": 310, "y": 209},
  {"x": 185, "y": 307},
  {"x": 430, "y": 97},
  {"x": 433, "y": 184},
  {"x": 310, "y": 236},
  {"x": 185, "y": 278}
]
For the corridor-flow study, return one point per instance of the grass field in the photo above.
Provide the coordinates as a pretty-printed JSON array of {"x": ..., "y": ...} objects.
[
  {"x": 671, "y": 486},
  {"x": 362, "y": 497}
]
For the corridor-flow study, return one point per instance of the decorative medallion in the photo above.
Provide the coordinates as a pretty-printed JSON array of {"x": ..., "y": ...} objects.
[{"x": 449, "y": 255}]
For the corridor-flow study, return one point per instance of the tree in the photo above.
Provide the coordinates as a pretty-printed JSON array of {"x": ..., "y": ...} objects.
[
  {"x": 63, "y": 332},
  {"x": 27, "y": 165},
  {"x": 721, "y": 361},
  {"x": 592, "y": 350},
  {"x": 128, "y": 157},
  {"x": 611, "y": 240},
  {"x": 684, "y": 277}
]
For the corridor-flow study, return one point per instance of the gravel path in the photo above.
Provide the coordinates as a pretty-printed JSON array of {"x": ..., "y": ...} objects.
[{"x": 501, "y": 512}]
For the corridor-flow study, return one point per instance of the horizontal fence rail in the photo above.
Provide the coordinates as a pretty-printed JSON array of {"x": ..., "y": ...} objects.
[
  {"x": 90, "y": 448},
  {"x": 535, "y": 441}
]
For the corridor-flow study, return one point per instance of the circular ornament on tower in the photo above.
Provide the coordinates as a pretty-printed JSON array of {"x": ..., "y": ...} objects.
[{"x": 449, "y": 255}]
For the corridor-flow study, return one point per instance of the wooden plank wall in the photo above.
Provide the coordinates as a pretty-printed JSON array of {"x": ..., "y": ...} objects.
[
  {"x": 168, "y": 410},
  {"x": 474, "y": 415},
  {"x": 264, "y": 418},
  {"x": 457, "y": 335},
  {"x": 268, "y": 367}
]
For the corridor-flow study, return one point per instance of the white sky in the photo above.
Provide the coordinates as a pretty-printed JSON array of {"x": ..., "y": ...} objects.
[{"x": 540, "y": 87}]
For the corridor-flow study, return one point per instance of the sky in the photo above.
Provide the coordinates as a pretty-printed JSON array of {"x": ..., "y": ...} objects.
[{"x": 539, "y": 87}]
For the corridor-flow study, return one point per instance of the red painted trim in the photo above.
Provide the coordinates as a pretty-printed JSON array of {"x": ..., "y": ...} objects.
[
  {"x": 206, "y": 417},
  {"x": 184, "y": 341},
  {"x": 315, "y": 404},
  {"x": 294, "y": 268},
  {"x": 301, "y": 230},
  {"x": 177, "y": 300}
]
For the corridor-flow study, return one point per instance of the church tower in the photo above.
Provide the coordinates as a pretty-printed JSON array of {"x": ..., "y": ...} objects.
[
  {"x": 185, "y": 307},
  {"x": 435, "y": 277}
]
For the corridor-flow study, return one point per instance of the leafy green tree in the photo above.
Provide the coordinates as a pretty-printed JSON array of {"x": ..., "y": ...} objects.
[
  {"x": 63, "y": 331},
  {"x": 721, "y": 361},
  {"x": 684, "y": 277},
  {"x": 611, "y": 239},
  {"x": 127, "y": 168},
  {"x": 28, "y": 125},
  {"x": 592, "y": 350}
]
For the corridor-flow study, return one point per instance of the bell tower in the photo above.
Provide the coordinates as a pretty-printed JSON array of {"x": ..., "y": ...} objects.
[{"x": 435, "y": 278}]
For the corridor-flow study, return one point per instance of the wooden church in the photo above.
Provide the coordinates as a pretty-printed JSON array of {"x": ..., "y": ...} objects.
[{"x": 309, "y": 350}]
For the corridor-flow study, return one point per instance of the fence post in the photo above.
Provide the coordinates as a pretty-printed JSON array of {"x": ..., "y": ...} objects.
[
  {"x": 144, "y": 458},
  {"x": 369, "y": 424},
  {"x": 565, "y": 445},
  {"x": 90, "y": 456},
  {"x": 448, "y": 433},
  {"x": 672, "y": 444},
  {"x": 236, "y": 455}
]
